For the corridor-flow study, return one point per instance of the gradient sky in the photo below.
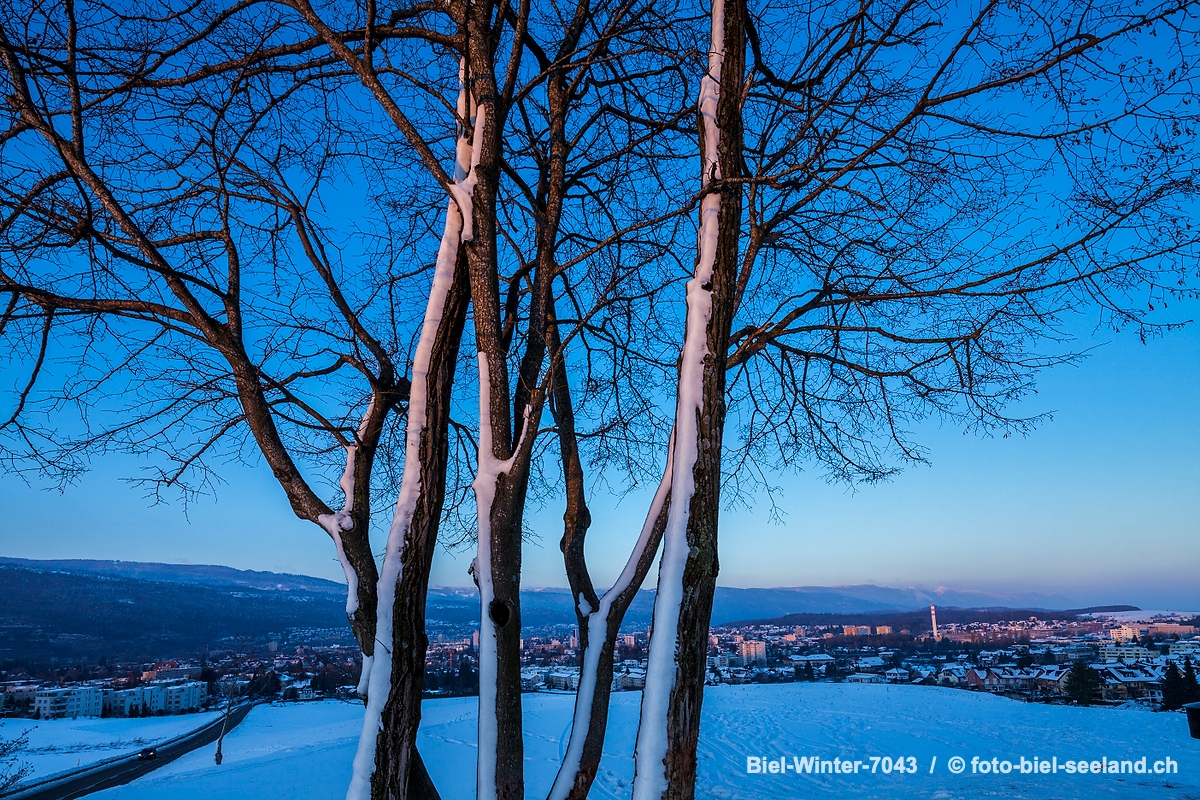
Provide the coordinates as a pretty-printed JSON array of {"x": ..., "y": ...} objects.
[{"x": 1101, "y": 505}]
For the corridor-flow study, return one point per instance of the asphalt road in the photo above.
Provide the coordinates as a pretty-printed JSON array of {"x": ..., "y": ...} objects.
[{"x": 130, "y": 769}]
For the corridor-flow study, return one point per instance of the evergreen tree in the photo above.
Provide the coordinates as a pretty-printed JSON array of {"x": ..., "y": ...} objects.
[
  {"x": 1174, "y": 688},
  {"x": 1191, "y": 687},
  {"x": 1082, "y": 682},
  {"x": 1048, "y": 659},
  {"x": 1024, "y": 661}
]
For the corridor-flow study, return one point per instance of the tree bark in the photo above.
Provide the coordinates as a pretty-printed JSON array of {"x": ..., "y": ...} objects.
[{"x": 399, "y": 771}]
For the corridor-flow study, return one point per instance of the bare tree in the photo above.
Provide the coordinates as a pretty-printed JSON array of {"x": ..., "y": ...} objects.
[
  {"x": 12, "y": 770},
  {"x": 880, "y": 240},
  {"x": 301, "y": 49},
  {"x": 205, "y": 294},
  {"x": 913, "y": 198},
  {"x": 668, "y": 733},
  {"x": 623, "y": 50}
]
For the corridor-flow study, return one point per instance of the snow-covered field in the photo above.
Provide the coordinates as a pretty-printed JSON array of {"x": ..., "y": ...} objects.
[
  {"x": 63, "y": 744},
  {"x": 303, "y": 751}
]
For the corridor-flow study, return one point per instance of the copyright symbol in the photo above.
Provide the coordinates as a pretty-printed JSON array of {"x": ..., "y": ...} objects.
[{"x": 957, "y": 764}]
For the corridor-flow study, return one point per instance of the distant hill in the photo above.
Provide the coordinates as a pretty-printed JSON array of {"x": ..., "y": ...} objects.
[
  {"x": 77, "y": 608},
  {"x": 200, "y": 574},
  {"x": 916, "y": 620},
  {"x": 49, "y": 611},
  {"x": 547, "y": 606},
  {"x": 731, "y": 605}
]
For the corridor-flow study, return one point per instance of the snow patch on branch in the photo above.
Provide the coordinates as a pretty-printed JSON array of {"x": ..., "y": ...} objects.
[
  {"x": 364, "y": 677},
  {"x": 332, "y": 526},
  {"x": 465, "y": 177},
  {"x": 335, "y": 524},
  {"x": 650, "y": 778}
]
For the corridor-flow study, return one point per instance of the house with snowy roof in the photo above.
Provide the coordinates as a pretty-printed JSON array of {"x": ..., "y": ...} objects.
[
  {"x": 1129, "y": 681},
  {"x": 865, "y": 677},
  {"x": 952, "y": 675},
  {"x": 1050, "y": 680},
  {"x": 870, "y": 664},
  {"x": 976, "y": 678}
]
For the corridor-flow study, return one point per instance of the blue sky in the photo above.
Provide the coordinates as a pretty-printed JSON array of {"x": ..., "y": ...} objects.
[{"x": 1098, "y": 506}]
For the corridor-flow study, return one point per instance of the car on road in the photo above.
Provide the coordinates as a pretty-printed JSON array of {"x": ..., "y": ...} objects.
[{"x": 147, "y": 754}]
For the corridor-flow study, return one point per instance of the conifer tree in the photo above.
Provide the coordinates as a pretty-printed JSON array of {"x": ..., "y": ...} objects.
[
  {"x": 1191, "y": 687},
  {"x": 1082, "y": 682}
]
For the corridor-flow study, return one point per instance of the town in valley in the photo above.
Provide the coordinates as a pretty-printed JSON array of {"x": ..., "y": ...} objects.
[{"x": 1129, "y": 657}]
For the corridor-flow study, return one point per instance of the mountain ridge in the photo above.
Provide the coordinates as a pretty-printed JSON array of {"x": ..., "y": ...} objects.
[
  {"x": 77, "y": 607},
  {"x": 206, "y": 574}
]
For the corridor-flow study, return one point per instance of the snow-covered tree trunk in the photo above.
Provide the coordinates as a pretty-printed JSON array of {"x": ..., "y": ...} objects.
[
  {"x": 669, "y": 726},
  {"x": 386, "y": 764},
  {"x": 399, "y": 772},
  {"x": 599, "y": 624},
  {"x": 504, "y": 448},
  {"x": 599, "y": 617}
]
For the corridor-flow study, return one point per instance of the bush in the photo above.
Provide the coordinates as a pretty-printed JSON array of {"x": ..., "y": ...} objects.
[{"x": 12, "y": 771}]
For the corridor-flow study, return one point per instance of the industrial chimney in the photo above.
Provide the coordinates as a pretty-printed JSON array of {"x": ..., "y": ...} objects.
[{"x": 933, "y": 619}]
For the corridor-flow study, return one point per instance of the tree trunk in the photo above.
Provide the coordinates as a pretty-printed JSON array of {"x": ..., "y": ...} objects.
[
  {"x": 387, "y": 764},
  {"x": 499, "y": 491},
  {"x": 598, "y": 630},
  {"x": 504, "y": 449},
  {"x": 669, "y": 728},
  {"x": 599, "y": 618},
  {"x": 399, "y": 772}
]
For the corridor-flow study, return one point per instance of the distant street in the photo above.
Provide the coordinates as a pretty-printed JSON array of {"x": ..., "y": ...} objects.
[{"x": 131, "y": 768}]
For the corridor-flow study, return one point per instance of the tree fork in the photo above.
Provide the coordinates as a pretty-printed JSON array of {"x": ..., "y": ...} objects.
[{"x": 574, "y": 781}]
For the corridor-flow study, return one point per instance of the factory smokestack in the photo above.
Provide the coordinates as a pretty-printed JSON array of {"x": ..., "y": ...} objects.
[{"x": 933, "y": 619}]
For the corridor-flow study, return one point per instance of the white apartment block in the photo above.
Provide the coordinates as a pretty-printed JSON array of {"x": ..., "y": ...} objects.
[
  {"x": 725, "y": 661},
  {"x": 1125, "y": 652},
  {"x": 77, "y": 701},
  {"x": 1185, "y": 647},
  {"x": 185, "y": 696},
  {"x": 1129, "y": 633},
  {"x": 156, "y": 698},
  {"x": 565, "y": 680}
]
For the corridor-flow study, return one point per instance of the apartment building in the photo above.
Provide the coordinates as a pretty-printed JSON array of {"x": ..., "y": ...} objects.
[{"x": 76, "y": 701}]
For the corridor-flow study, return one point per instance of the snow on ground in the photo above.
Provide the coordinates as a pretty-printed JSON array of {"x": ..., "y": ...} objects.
[
  {"x": 64, "y": 744},
  {"x": 303, "y": 751}
]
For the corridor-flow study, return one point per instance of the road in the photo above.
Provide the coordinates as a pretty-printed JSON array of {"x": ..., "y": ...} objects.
[{"x": 129, "y": 769}]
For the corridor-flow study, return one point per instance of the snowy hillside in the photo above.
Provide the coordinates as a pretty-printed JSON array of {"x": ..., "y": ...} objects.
[{"x": 303, "y": 752}]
